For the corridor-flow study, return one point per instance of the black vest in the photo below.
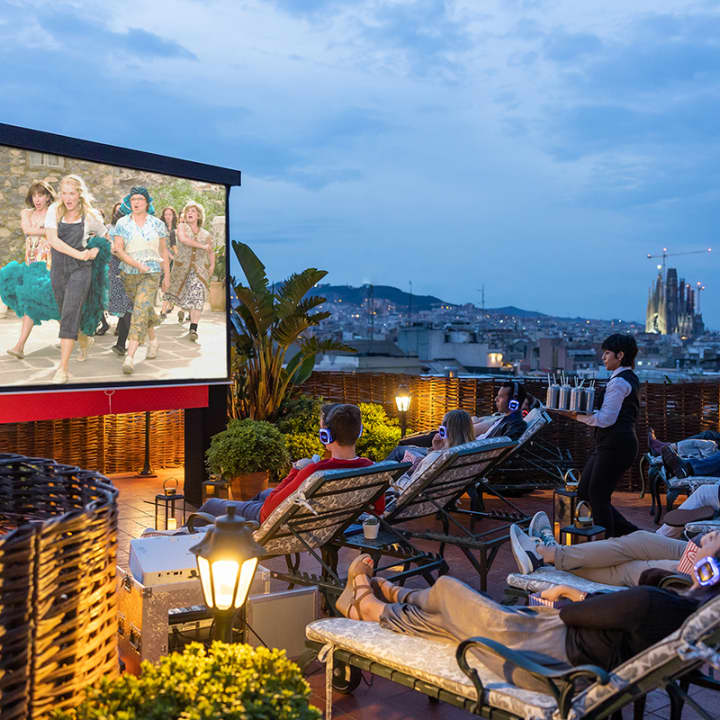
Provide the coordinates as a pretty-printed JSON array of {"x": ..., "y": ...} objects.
[{"x": 629, "y": 410}]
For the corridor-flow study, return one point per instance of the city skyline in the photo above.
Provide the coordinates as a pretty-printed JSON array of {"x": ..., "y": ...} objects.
[{"x": 541, "y": 148}]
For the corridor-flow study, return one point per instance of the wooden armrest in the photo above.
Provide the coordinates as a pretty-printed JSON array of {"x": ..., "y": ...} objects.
[{"x": 560, "y": 683}]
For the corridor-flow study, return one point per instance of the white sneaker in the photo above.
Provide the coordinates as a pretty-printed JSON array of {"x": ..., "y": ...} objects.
[
  {"x": 85, "y": 342},
  {"x": 128, "y": 365},
  {"x": 541, "y": 528},
  {"x": 60, "y": 377},
  {"x": 524, "y": 550},
  {"x": 152, "y": 350}
]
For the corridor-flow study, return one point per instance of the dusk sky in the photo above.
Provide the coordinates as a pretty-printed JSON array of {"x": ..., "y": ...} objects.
[{"x": 539, "y": 148}]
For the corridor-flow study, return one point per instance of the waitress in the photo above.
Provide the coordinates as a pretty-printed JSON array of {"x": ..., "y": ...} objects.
[{"x": 616, "y": 443}]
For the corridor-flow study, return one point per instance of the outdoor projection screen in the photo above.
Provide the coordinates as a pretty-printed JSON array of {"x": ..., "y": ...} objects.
[{"x": 35, "y": 278}]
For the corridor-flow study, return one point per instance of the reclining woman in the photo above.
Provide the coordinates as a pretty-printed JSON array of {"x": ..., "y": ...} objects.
[
  {"x": 340, "y": 429},
  {"x": 603, "y": 630},
  {"x": 456, "y": 429}
]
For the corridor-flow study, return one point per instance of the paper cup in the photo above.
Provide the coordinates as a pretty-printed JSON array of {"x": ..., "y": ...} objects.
[{"x": 370, "y": 530}]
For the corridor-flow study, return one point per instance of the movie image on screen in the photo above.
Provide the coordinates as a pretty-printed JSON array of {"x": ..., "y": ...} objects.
[{"x": 108, "y": 275}]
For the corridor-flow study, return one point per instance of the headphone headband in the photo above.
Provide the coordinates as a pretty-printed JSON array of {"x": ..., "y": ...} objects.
[{"x": 514, "y": 403}]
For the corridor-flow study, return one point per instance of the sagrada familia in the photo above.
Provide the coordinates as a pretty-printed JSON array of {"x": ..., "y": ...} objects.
[{"x": 671, "y": 307}]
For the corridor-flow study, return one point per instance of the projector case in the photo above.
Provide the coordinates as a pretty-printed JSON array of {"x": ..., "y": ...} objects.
[{"x": 143, "y": 622}]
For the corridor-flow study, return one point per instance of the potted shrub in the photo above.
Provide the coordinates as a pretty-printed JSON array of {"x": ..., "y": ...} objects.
[
  {"x": 228, "y": 681},
  {"x": 248, "y": 452},
  {"x": 217, "y": 282},
  {"x": 381, "y": 433}
]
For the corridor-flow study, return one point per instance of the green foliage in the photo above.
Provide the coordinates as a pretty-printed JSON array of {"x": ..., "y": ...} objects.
[
  {"x": 380, "y": 432},
  {"x": 228, "y": 681},
  {"x": 299, "y": 421},
  {"x": 247, "y": 446},
  {"x": 178, "y": 192},
  {"x": 267, "y": 321},
  {"x": 220, "y": 265},
  {"x": 303, "y": 445}
]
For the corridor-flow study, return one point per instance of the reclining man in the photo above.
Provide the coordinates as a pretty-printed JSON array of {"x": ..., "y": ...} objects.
[
  {"x": 339, "y": 432},
  {"x": 700, "y": 443},
  {"x": 509, "y": 423},
  {"x": 679, "y": 467},
  {"x": 615, "y": 561}
]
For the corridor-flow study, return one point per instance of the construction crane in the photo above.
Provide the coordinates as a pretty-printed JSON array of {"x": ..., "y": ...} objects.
[
  {"x": 699, "y": 287},
  {"x": 665, "y": 254}
]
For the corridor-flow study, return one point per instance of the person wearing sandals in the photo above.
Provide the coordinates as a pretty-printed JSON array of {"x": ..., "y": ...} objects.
[
  {"x": 77, "y": 235},
  {"x": 141, "y": 245},
  {"x": 602, "y": 629},
  {"x": 193, "y": 266},
  {"x": 339, "y": 432},
  {"x": 19, "y": 282}
]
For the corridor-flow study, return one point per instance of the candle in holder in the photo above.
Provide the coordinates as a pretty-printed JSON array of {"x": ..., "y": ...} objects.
[{"x": 171, "y": 523}]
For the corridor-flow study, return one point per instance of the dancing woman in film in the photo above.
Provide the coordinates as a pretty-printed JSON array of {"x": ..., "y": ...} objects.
[
  {"x": 77, "y": 236},
  {"x": 19, "y": 282},
  {"x": 193, "y": 266},
  {"x": 141, "y": 245}
]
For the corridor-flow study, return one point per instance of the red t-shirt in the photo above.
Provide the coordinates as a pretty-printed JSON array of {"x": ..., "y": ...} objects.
[{"x": 295, "y": 479}]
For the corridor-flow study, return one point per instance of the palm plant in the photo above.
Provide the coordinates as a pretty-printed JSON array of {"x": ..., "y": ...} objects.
[{"x": 267, "y": 321}]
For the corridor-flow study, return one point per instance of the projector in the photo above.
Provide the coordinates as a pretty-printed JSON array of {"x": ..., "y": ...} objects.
[{"x": 164, "y": 559}]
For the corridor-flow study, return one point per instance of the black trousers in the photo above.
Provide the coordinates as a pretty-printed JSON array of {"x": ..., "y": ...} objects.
[
  {"x": 70, "y": 280},
  {"x": 603, "y": 470}
]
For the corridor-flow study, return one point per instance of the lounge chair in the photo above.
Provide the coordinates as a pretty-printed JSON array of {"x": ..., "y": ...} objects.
[
  {"x": 452, "y": 673},
  {"x": 325, "y": 504},
  {"x": 685, "y": 486},
  {"x": 535, "y": 421},
  {"x": 532, "y": 457},
  {"x": 657, "y": 477},
  {"x": 441, "y": 483}
]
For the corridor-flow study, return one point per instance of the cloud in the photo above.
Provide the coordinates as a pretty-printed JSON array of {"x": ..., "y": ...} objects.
[{"x": 72, "y": 29}]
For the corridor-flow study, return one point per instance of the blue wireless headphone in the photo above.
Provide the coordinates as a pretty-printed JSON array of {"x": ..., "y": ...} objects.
[
  {"x": 707, "y": 571},
  {"x": 326, "y": 436},
  {"x": 514, "y": 403}
]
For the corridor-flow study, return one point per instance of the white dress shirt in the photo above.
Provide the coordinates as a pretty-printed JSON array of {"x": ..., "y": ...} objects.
[{"x": 616, "y": 391}]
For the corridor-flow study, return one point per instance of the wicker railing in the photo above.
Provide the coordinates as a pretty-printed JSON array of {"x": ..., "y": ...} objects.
[
  {"x": 674, "y": 411},
  {"x": 106, "y": 443},
  {"x": 58, "y": 543}
]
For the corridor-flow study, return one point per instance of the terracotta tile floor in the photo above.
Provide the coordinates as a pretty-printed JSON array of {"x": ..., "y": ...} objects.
[{"x": 384, "y": 699}]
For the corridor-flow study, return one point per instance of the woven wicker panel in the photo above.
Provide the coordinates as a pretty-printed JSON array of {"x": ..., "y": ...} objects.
[
  {"x": 106, "y": 443},
  {"x": 674, "y": 411},
  {"x": 17, "y": 551},
  {"x": 64, "y": 580}
]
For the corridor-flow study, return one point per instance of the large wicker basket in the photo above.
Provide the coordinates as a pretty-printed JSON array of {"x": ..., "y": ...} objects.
[{"x": 58, "y": 624}]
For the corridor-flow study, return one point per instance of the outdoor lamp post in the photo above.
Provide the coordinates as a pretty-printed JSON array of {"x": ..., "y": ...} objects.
[
  {"x": 402, "y": 400},
  {"x": 227, "y": 558}
]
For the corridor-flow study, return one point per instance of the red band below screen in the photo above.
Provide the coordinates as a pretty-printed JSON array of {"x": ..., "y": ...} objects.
[{"x": 81, "y": 403}]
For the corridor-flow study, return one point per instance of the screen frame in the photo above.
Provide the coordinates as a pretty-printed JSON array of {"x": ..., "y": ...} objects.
[{"x": 53, "y": 144}]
